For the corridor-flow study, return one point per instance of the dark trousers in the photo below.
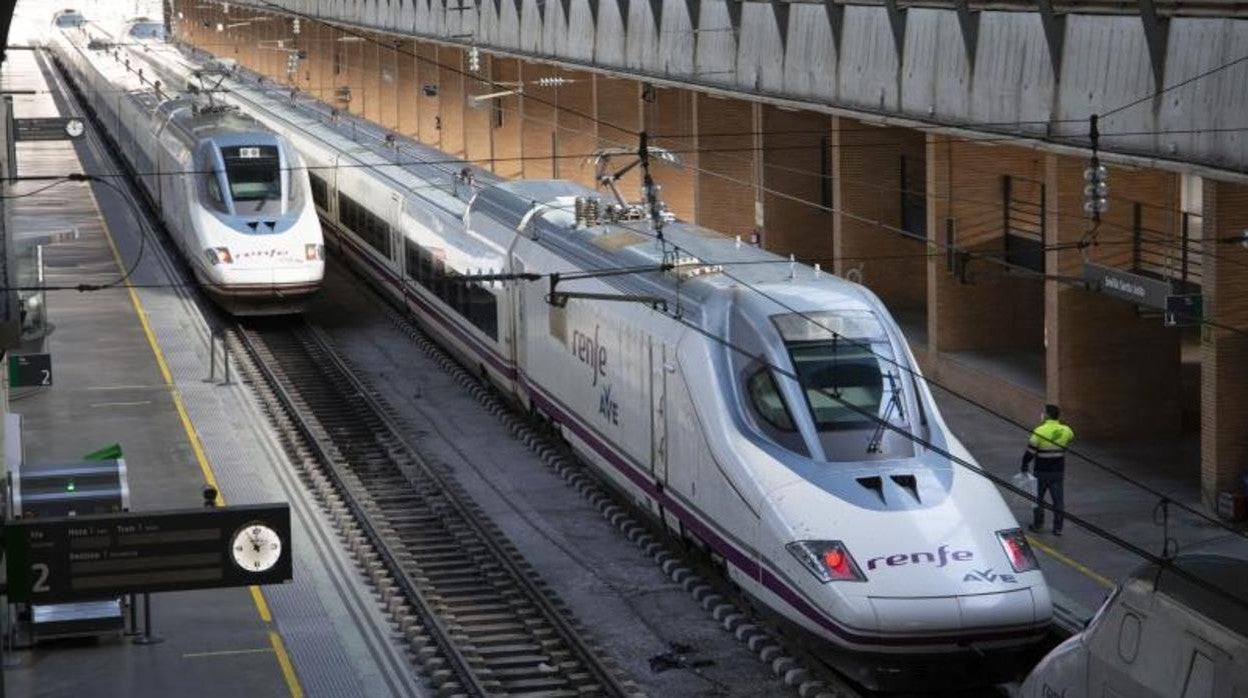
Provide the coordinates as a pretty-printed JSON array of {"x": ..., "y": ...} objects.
[{"x": 1050, "y": 482}]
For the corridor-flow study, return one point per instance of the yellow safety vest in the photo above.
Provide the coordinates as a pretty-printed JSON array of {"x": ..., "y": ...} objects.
[{"x": 1050, "y": 439}]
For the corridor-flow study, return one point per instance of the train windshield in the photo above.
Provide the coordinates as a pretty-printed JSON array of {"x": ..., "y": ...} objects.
[
  {"x": 147, "y": 30},
  {"x": 69, "y": 18},
  {"x": 254, "y": 172},
  {"x": 845, "y": 365}
]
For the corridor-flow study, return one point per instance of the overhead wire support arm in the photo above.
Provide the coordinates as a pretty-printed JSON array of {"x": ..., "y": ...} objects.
[{"x": 559, "y": 299}]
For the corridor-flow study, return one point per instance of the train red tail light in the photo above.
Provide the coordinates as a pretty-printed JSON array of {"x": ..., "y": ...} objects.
[
  {"x": 828, "y": 560},
  {"x": 1022, "y": 559}
]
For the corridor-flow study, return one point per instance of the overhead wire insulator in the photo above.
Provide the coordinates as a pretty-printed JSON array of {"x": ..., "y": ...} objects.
[{"x": 474, "y": 60}]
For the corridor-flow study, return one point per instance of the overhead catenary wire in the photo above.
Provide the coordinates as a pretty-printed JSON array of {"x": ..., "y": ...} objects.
[{"x": 1165, "y": 239}]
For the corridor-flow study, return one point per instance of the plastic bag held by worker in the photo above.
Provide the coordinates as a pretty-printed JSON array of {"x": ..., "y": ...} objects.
[{"x": 1027, "y": 483}]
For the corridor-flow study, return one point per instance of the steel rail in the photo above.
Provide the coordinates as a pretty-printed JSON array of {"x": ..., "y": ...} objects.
[
  {"x": 319, "y": 352},
  {"x": 441, "y": 634}
]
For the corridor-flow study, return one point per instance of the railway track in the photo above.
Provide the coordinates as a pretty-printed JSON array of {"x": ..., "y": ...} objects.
[{"x": 477, "y": 619}]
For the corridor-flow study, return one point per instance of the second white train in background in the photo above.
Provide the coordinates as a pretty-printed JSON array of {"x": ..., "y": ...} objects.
[{"x": 232, "y": 193}]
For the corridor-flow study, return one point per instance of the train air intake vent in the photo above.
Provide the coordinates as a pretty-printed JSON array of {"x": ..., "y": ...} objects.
[
  {"x": 875, "y": 484},
  {"x": 909, "y": 484}
]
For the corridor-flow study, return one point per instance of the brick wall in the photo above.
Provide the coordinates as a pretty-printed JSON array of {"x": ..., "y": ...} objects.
[
  {"x": 670, "y": 117},
  {"x": 451, "y": 99},
  {"x": 539, "y": 121},
  {"x": 429, "y": 112},
  {"x": 726, "y": 194},
  {"x": 507, "y": 136},
  {"x": 998, "y": 310},
  {"x": 478, "y": 131},
  {"x": 388, "y": 83},
  {"x": 1099, "y": 346},
  {"x": 794, "y": 161},
  {"x": 407, "y": 89},
  {"x": 577, "y": 128},
  {"x": 867, "y": 168},
  {"x": 619, "y": 114},
  {"x": 1224, "y": 366}
]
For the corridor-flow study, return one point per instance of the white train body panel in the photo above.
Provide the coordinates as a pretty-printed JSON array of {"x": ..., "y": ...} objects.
[
  {"x": 252, "y": 255},
  {"x": 659, "y": 406},
  {"x": 1160, "y": 635}
]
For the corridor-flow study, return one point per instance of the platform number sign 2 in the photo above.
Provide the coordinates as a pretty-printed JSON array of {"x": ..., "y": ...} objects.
[{"x": 29, "y": 370}]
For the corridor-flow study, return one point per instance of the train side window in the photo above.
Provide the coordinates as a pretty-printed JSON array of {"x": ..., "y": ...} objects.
[
  {"x": 767, "y": 401},
  {"x": 214, "y": 189}
]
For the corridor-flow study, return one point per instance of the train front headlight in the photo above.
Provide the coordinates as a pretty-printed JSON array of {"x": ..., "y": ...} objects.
[
  {"x": 1022, "y": 559},
  {"x": 219, "y": 255},
  {"x": 314, "y": 252},
  {"x": 828, "y": 560}
]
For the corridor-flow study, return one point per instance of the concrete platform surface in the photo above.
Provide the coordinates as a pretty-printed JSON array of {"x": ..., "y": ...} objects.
[{"x": 108, "y": 388}]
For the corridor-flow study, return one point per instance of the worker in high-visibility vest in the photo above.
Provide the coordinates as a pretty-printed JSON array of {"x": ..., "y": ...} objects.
[{"x": 1047, "y": 447}]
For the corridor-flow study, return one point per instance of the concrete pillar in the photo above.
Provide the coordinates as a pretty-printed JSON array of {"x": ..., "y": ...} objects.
[
  {"x": 577, "y": 134},
  {"x": 877, "y": 172},
  {"x": 540, "y": 121},
  {"x": 506, "y": 119},
  {"x": 796, "y": 171},
  {"x": 727, "y": 198},
  {"x": 370, "y": 81},
  {"x": 407, "y": 88},
  {"x": 451, "y": 99},
  {"x": 428, "y": 113},
  {"x": 479, "y": 117},
  {"x": 1224, "y": 347},
  {"x": 1098, "y": 347}
]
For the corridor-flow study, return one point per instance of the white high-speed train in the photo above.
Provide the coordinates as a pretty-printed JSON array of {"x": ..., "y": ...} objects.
[
  {"x": 233, "y": 194},
  {"x": 851, "y": 531},
  {"x": 1159, "y": 635}
]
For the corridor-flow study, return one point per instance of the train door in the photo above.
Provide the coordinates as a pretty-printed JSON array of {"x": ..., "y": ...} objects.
[
  {"x": 515, "y": 293},
  {"x": 660, "y": 369},
  {"x": 396, "y": 233}
]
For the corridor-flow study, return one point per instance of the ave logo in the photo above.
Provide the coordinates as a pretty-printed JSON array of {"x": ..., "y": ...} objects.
[
  {"x": 608, "y": 407},
  {"x": 988, "y": 575}
]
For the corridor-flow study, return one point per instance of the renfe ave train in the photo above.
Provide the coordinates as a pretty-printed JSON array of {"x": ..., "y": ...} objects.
[
  {"x": 815, "y": 494},
  {"x": 233, "y": 195}
]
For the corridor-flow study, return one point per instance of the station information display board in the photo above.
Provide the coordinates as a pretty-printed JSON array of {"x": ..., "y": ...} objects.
[{"x": 78, "y": 558}]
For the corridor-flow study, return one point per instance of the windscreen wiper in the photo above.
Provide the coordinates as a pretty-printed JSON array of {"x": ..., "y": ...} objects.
[{"x": 894, "y": 403}]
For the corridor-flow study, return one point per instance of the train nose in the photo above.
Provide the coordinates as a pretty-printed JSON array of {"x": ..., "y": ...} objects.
[{"x": 953, "y": 613}]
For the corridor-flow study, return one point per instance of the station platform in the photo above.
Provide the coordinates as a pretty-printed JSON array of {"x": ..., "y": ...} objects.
[
  {"x": 1116, "y": 486},
  {"x": 129, "y": 366},
  {"x": 1109, "y": 488}
]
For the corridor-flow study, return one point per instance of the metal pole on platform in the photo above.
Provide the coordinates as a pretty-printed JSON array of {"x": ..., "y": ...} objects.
[
  {"x": 212, "y": 358},
  {"x": 132, "y": 614},
  {"x": 225, "y": 358},
  {"x": 147, "y": 638}
]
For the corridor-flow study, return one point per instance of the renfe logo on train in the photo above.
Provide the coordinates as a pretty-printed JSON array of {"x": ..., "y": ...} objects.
[
  {"x": 940, "y": 558},
  {"x": 590, "y": 352}
]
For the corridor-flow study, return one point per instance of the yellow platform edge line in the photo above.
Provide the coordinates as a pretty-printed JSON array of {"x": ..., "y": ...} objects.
[
  {"x": 283, "y": 660},
  {"x": 1070, "y": 562},
  {"x": 262, "y": 607}
]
